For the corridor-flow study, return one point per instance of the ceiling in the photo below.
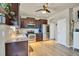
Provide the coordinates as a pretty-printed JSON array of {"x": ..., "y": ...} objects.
[{"x": 28, "y": 9}]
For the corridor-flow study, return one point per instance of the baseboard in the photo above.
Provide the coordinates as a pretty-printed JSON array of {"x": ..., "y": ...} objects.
[{"x": 65, "y": 45}]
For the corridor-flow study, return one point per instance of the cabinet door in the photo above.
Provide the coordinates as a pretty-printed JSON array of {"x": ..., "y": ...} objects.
[
  {"x": 17, "y": 48},
  {"x": 76, "y": 40}
]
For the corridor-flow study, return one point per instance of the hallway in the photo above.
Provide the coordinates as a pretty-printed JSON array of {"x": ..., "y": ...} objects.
[{"x": 51, "y": 48}]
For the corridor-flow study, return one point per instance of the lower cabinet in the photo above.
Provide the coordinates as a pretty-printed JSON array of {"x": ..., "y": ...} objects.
[
  {"x": 76, "y": 40},
  {"x": 39, "y": 37},
  {"x": 17, "y": 48}
]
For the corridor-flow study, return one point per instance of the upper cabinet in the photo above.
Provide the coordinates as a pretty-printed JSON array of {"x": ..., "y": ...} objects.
[
  {"x": 42, "y": 21},
  {"x": 28, "y": 20}
]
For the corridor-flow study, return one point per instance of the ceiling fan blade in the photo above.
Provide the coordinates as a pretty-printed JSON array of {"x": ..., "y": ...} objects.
[
  {"x": 45, "y": 8},
  {"x": 48, "y": 11},
  {"x": 39, "y": 10}
]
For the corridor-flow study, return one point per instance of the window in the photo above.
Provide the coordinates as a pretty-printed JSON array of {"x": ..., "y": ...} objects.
[{"x": 2, "y": 18}]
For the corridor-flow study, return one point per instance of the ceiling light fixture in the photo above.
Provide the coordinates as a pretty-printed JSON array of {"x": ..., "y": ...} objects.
[
  {"x": 44, "y": 9},
  {"x": 44, "y": 12}
]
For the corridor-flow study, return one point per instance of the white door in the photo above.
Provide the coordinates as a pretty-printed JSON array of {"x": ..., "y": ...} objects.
[
  {"x": 45, "y": 32},
  {"x": 61, "y": 31},
  {"x": 52, "y": 31}
]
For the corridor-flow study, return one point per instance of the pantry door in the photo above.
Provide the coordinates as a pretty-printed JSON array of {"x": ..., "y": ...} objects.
[
  {"x": 52, "y": 31},
  {"x": 61, "y": 31}
]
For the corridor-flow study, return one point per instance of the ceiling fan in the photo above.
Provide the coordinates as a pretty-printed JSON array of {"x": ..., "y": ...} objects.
[{"x": 44, "y": 9}]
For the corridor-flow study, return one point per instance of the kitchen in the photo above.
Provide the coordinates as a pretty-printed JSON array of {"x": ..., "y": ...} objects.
[
  {"x": 17, "y": 33},
  {"x": 23, "y": 32}
]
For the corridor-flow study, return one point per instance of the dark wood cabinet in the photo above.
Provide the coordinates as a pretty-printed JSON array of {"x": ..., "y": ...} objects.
[
  {"x": 17, "y": 48},
  {"x": 43, "y": 21},
  {"x": 14, "y": 8},
  {"x": 28, "y": 20},
  {"x": 39, "y": 37}
]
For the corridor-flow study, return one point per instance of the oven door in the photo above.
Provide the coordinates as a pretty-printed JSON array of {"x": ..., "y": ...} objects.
[{"x": 32, "y": 37}]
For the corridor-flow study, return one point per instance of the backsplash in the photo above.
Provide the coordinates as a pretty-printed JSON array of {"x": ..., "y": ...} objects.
[{"x": 25, "y": 30}]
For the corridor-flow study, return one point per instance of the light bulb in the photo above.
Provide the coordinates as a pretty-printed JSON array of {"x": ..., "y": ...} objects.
[{"x": 43, "y": 12}]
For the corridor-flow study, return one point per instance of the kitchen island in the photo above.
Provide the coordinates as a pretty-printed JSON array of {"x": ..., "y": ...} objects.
[{"x": 17, "y": 46}]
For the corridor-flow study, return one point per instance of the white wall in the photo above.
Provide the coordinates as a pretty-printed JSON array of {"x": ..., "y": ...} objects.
[
  {"x": 2, "y": 43},
  {"x": 63, "y": 15},
  {"x": 4, "y": 30}
]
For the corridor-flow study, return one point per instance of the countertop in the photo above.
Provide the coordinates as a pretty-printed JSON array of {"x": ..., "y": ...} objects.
[{"x": 16, "y": 38}]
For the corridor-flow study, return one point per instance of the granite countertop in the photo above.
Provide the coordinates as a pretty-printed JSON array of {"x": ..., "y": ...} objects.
[{"x": 17, "y": 38}]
